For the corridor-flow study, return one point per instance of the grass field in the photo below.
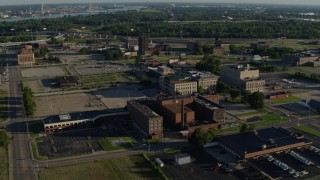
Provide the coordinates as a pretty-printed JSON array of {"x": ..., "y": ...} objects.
[
  {"x": 4, "y": 164},
  {"x": 3, "y": 105},
  {"x": 308, "y": 130},
  {"x": 251, "y": 114},
  {"x": 124, "y": 168},
  {"x": 35, "y": 151},
  {"x": 287, "y": 100},
  {"x": 270, "y": 119},
  {"x": 109, "y": 143}
]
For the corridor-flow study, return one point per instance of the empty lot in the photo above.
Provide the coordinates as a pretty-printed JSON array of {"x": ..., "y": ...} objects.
[
  {"x": 41, "y": 72},
  {"x": 118, "y": 97},
  {"x": 131, "y": 167},
  {"x": 66, "y": 103}
]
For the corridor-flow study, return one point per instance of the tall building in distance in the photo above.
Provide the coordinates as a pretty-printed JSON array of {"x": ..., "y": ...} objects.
[
  {"x": 42, "y": 10},
  {"x": 143, "y": 44}
]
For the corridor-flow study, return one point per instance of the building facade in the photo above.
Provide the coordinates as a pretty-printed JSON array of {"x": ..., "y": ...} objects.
[
  {"x": 174, "y": 87},
  {"x": 145, "y": 119},
  {"x": 26, "y": 57},
  {"x": 143, "y": 44},
  {"x": 242, "y": 77}
]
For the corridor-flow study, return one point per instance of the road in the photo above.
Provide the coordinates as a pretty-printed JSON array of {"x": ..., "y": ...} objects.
[
  {"x": 107, "y": 155},
  {"x": 20, "y": 163}
]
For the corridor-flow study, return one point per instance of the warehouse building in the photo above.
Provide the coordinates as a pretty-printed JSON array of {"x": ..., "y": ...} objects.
[{"x": 260, "y": 142}]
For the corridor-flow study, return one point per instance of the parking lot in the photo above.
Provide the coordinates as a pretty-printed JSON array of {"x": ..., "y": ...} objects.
[
  {"x": 302, "y": 163},
  {"x": 297, "y": 108},
  {"x": 117, "y": 97},
  {"x": 201, "y": 167},
  {"x": 77, "y": 142},
  {"x": 66, "y": 103}
]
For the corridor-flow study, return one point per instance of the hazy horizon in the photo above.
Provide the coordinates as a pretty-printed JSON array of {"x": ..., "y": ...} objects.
[{"x": 291, "y": 2}]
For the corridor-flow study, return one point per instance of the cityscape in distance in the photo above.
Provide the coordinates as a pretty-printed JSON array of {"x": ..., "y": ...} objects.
[{"x": 159, "y": 90}]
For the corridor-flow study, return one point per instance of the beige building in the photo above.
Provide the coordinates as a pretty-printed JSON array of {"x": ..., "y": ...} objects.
[
  {"x": 242, "y": 77},
  {"x": 26, "y": 57},
  {"x": 173, "y": 87},
  {"x": 301, "y": 59},
  {"x": 207, "y": 81}
]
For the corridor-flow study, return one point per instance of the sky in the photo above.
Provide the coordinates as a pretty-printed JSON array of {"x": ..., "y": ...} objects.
[{"x": 300, "y": 2}]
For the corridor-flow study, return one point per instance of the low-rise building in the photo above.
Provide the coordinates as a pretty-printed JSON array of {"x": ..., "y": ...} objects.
[
  {"x": 145, "y": 119},
  {"x": 73, "y": 120},
  {"x": 301, "y": 59},
  {"x": 261, "y": 142},
  {"x": 26, "y": 56}
]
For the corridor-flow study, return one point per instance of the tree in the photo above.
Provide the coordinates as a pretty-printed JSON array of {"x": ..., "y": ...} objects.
[
  {"x": 84, "y": 51},
  {"x": 245, "y": 96},
  {"x": 222, "y": 87},
  {"x": 247, "y": 128},
  {"x": 244, "y": 127},
  {"x": 234, "y": 93},
  {"x": 256, "y": 100},
  {"x": 209, "y": 63},
  {"x": 4, "y": 139},
  {"x": 199, "y": 137},
  {"x": 201, "y": 90}
]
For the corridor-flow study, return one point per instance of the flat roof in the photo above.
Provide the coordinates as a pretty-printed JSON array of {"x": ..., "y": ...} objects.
[
  {"x": 76, "y": 116},
  {"x": 250, "y": 142},
  {"x": 176, "y": 108},
  {"x": 144, "y": 109},
  {"x": 208, "y": 104}
]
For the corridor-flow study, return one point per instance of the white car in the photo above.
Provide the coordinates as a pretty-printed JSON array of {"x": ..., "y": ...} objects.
[{"x": 292, "y": 171}]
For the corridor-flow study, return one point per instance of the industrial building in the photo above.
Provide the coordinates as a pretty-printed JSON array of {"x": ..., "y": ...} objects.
[
  {"x": 182, "y": 112},
  {"x": 243, "y": 77},
  {"x": 143, "y": 44},
  {"x": 145, "y": 119},
  {"x": 302, "y": 59},
  {"x": 260, "y": 142},
  {"x": 66, "y": 121},
  {"x": 66, "y": 81},
  {"x": 26, "y": 56}
]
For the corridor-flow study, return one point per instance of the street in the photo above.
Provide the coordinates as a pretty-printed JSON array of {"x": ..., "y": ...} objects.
[{"x": 20, "y": 163}]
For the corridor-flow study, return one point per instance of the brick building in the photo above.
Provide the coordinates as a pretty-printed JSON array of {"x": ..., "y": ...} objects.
[
  {"x": 145, "y": 119},
  {"x": 26, "y": 56}
]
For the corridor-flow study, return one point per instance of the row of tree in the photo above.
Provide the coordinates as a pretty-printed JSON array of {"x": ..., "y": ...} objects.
[
  {"x": 255, "y": 99},
  {"x": 28, "y": 100},
  {"x": 156, "y": 24}
]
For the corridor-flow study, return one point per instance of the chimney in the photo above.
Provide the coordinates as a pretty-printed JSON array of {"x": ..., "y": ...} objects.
[{"x": 182, "y": 114}]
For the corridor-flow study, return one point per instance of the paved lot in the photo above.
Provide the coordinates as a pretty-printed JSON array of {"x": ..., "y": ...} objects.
[
  {"x": 99, "y": 69},
  {"x": 236, "y": 108},
  {"x": 70, "y": 57},
  {"x": 200, "y": 168},
  {"x": 42, "y": 72},
  {"x": 118, "y": 97},
  {"x": 297, "y": 108},
  {"x": 66, "y": 103}
]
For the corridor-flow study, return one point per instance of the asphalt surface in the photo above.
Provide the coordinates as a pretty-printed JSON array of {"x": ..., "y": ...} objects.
[{"x": 20, "y": 162}]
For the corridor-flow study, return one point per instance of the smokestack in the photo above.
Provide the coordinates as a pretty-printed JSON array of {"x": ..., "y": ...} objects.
[{"x": 182, "y": 114}]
